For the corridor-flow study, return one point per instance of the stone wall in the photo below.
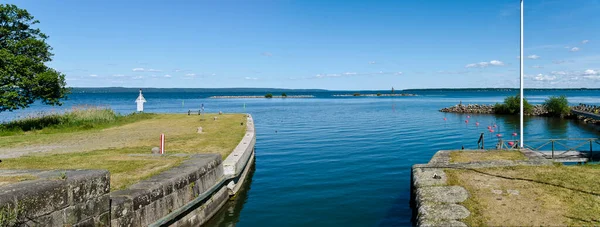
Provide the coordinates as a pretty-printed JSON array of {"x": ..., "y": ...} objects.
[
  {"x": 145, "y": 202},
  {"x": 56, "y": 198}
]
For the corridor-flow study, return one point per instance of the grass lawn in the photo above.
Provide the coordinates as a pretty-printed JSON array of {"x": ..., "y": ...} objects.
[
  {"x": 478, "y": 156},
  {"x": 531, "y": 195},
  {"x": 109, "y": 145}
]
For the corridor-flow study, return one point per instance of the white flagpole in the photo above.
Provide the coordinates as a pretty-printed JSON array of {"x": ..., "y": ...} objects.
[{"x": 521, "y": 90}]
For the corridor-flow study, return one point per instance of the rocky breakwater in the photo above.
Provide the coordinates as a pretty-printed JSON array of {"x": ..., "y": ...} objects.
[
  {"x": 538, "y": 110},
  {"x": 470, "y": 108}
]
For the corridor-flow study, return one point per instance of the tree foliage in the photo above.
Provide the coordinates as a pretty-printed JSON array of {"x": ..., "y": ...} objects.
[
  {"x": 557, "y": 106},
  {"x": 24, "y": 78},
  {"x": 269, "y": 96},
  {"x": 512, "y": 105}
]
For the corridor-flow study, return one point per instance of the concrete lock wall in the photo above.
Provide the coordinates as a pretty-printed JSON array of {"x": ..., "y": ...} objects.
[
  {"x": 56, "y": 198},
  {"x": 186, "y": 195}
]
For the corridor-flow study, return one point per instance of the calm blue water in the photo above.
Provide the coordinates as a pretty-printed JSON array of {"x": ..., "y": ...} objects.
[{"x": 344, "y": 161}]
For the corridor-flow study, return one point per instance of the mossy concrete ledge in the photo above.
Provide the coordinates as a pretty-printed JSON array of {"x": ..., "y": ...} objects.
[
  {"x": 145, "y": 202},
  {"x": 56, "y": 198},
  {"x": 435, "y": 202}
]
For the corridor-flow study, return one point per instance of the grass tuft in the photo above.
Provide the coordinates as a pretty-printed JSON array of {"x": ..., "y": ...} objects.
[{"x": 78, "y": 118}]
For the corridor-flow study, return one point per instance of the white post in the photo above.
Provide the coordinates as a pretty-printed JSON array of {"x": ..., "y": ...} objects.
[
  {"x": 521, "y": 90},
  {"x": 162, "y": 143}
]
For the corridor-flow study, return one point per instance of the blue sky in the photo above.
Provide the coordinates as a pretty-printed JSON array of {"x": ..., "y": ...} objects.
[{"x": 321, "y": 44}]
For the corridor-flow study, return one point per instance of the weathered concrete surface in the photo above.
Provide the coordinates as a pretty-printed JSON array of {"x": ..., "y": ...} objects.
[
  {"x": 437, "y": 204},
  {"x": 58, "y": 198},
  {"x": 147, "y": 201},
  {"x": 442, "y": 194},
  {"x": 236, "y": 161}
]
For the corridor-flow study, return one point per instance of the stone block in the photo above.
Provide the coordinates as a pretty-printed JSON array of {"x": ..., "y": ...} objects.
[{"x": 442, "y": 194}]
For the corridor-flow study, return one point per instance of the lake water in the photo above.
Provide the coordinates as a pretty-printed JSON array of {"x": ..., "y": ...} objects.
[{"x": 344, "y": 161}]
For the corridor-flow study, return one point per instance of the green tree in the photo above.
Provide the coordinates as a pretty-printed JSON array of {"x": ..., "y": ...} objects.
[
  {"x": 512, "y": 105},
  {"x": 557, "y": 106},
  {"x": 284, "y": 95},
  {"x": 24, "y": 78},
  {"x": 269, "y": 96}
]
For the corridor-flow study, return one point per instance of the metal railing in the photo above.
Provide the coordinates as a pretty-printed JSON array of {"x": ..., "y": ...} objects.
[{"x": 557, "y": 147}]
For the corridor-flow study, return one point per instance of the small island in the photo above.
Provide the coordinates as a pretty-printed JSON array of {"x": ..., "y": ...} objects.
[{"x": 372, "y": 95}]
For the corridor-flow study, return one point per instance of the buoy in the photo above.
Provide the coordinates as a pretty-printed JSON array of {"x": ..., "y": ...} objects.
[
  {"x": 511, "y": 143},
  {"x": 489, "y": 127},
  {"x": 468, "y": 116},
  {"x": 466, "y": 121},
  {"x": 477, "y": 124},
  {"x": 499, "y": 135},
  {"x": 491, "y": 130},
  {"x": 444, "y": 119},
  {"x": 514, "y": 134}
]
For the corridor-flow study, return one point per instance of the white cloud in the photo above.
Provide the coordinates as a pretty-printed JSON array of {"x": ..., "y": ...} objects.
[
  {"x": 168, "y": 76},
  {"x": 496, "y": 63},
  {"x": 190, "y": 74},
  {"x": 399, "y": 73},
  {"x": 251, "y": 78},
  {"x": 372, "y": 63},
  {"x": 585, "y": 41},
  {"x": 178, "y": 70},
  {"x": 118, "y": 75},
  {"x": 138, "y": 77},
  {"x": 591, "y": 72},
  {"x": 537, "y": 66},
  {"x": 542, "y": 77},
  {"x": 592, "y": 77},
  {"x": 267, "y": 54},
  {"x": 560, "y": 73},
  {"x": 574, "y": 49},
  {"x": 484, "y": 64},
  {"x": 349, "y": 73},
  {"x": 559, "y": 61},
  {"x": 145, "y": 70},
  {"x": 93, "y": 75},
  {"x": 533, "y": 56}
]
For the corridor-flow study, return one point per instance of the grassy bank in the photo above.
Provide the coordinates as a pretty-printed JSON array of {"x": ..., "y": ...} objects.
[
  {"x": 530, "y": 195},
  {"x": 77, "y": 119},
  {"x": 477, "y": 156},
  {"x": 110, "y": 144}
]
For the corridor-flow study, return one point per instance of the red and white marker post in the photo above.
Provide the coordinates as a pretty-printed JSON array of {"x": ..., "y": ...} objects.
[{"x": 162, "y": 143}]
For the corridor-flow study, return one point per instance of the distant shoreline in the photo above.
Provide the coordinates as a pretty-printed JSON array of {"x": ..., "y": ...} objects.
[
  {"x": 373, "y": 95},
  {"x": 259, "y": 97}
]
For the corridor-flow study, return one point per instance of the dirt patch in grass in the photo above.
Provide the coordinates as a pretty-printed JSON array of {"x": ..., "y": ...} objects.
[
  {"x": 4, "y": 180},
  {"x": 531, "y": 195},
  {"x": 478, "y": 156}
]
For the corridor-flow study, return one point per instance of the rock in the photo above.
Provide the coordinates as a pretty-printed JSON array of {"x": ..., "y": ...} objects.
[
  {"x": 512, "y": 192},
  {"x": 497, "y": 192},
  {"x": 199, "y": 129},
  {"x": 155, "y": 150},
  {"x": 215, "y": 118},
  {"x": 220, "y": 113}
]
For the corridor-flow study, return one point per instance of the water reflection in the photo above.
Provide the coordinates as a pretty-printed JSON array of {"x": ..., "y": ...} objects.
[{"x": 229, "y": 214}]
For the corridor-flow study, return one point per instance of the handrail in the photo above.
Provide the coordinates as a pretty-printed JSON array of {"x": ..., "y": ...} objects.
[{"x": 502, "y": 144}]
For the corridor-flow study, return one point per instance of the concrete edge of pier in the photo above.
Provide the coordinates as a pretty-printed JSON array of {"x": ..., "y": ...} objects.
[{"x": 434, "y": 202}]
